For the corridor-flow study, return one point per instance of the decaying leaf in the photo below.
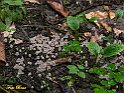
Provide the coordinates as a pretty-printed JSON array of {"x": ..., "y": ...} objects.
[
  {"x": 112, "y": 15},
  {"x": 18, "y": 41},
  {"x": 58, "y": 7},
  {"x": 98, "y": 14},
  {"x": 95, "y": 37},
  {"x": 87, "y": 34},
  {"x": 106, "y": 8},
  {"x": 117, "y": 31},
  {"x": 62, "y": 26},
  {"x": 106, "y": 26},
  {"x": 32, "y": 1},
  {"x": 2, "y": 52}
]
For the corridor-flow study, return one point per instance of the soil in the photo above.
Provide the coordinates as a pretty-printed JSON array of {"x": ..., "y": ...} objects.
[{"x": 41, "y": 22}]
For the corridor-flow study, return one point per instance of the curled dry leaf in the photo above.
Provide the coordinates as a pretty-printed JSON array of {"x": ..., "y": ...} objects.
[
  {"x": 117, "y": 31},
  {"x": 106, "y": 26},
  {"x": 112, "y": 15},
  {"x": 58, "y": 7},
  {"x": 98, "y": 14},
  {"x": 32, "y": 1}
]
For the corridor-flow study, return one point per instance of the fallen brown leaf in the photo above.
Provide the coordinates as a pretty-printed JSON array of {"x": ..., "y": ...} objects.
[
  {"x": 106, "y": 26},
  {"x": 117, "y": 31},
  {"x": 98, "y": 14},
  {"x": 87, "y": 34},
  {"x": 112, "y": 15},
  {"x": 2, "y": 51},
  {"x": 106, "y": 8},
  {"x": 58, "y": 7}
]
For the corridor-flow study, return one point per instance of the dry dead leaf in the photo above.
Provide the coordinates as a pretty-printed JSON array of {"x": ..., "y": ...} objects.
[
  {"x": 106, "y": 26},
  {"x": 2, "y": 51},
  {"x": 98, "y": 14},
  {"x": 97, "y": 24},
  {"x": 62, "y": 26},
  {"x": 87, "y": 34},
  {"x": 117, "y": 31},
  {"x": 32, "y": 1},
  {"x": 106, "y": 8},
  {"x": 18, "y": 41},
  {"x": 58, "y": 7},
  {"x": 112, "y": 15}
]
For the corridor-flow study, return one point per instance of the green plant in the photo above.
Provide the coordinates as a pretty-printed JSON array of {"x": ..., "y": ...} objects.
[
  {"x": 74, "y": 21},
  {"x": 74, "y": 71},
  {"x": 119, "y": 13},
  {"x": 111, "y": 76},
  {"x": 111, "y": 50},
  {"x": 10, "y": 10},
  {"x": 73, "y": 45}
]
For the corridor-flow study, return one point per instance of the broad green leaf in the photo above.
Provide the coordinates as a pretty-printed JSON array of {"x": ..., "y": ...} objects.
[
  {"x": 121, "y": 69},
  {"x": 111, "y": 67},
  {"x": 111, "y": 91},
  {"x": 97, "y": 90},
  {"x": 108, "y": 83},
  {"x": 13, "y": 2},
  {"x": 81, "y": 74},
  {"x": 113, "y": 49},
  {"x": 119, "y": 13},
  {"x": 95, "y": 70},
  {"x": 93, "y": 19},
  {"x": 2, "y": 26},
  {"x": 73, "y": 23},
  {"x": 65, "y": 78},
  {"x": 94, "y": 48},
  {"x": 80, "y": 67},
  {"x": 80, "y": 17},
  {"x": 73, "y": 69}
]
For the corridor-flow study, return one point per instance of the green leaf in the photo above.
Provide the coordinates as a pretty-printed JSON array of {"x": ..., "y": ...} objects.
[
  {"x": 95, "y": 70},
  {"x": 97, "y": 90},
  {"x": 111, "y": 91},
  {"x": 80, "y": 17},
  {"x": 113, "y": 49},
  {"x": 93, "y": 19},
  {"x": 121, "y": 69},
  {"x": 2, "y": 26},
  {"x": 108, "y": 83},
  {"x": 80, "y": 67},
  {"x": 73, "y": 69},
  {"x": 73, "y": 23},
  {"x": 13, "y": 2},
  {"x": 65, "y": 78},
  {"x": 94, "y": 48},
  {"x": 111, "y": 67},
  {"x": 81, "y": 74},
  {"x": 119, "y": 13}
]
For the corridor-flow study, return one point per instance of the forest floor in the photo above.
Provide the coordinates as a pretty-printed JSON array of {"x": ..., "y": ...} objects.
[{"x": 36, "y": 63}]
